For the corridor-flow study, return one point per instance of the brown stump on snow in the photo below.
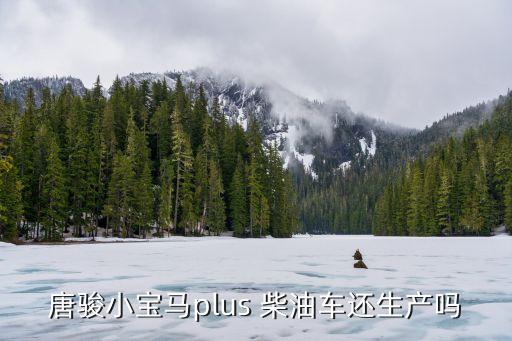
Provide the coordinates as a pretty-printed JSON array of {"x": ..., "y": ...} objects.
[
  {"x": 359, "y": 258},
  {"x": 357, "y": 255},
  {"x": 360, "y": 265}
]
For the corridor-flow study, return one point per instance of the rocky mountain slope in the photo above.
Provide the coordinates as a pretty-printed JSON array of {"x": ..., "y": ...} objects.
[
  {"x": 322, "y": 137},
  {"x": 310, "y": 133},
  {"x": 341, "y": 160},
  {"x": 17, "y": 89}
]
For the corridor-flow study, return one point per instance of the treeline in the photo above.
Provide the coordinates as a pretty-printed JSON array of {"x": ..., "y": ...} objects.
[
  {"x": 345, "y": 201},
  {"x": 342, "y": 201},
  {"x": 464, "y": 186},
  {"x": 342, "y": 204},
  {"x": 146, "y": 160}
]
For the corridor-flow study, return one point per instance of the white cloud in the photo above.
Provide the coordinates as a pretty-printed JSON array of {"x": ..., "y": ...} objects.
[{"x": 409, "y": 62}]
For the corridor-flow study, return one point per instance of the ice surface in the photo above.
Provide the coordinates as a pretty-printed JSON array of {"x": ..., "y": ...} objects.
[{"x": 480, "y": 269}]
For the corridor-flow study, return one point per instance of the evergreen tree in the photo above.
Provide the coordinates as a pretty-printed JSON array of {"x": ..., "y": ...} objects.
[
  {"x": 119, "y": 110},
  {"x": 238, "y": 200},
  {"x": 159, "y": 94},
  {"x": 219, "y": 124},
  {"x": 182, "y": 106},
  {"x": 78, "y": 168},
  {"x": 471, "y": 178},
  {"x": 97, "y": 102},
  {"x": 183, "y": 164},
  {"x": 290, "y": 207},
  {"x": 258, "y": 203},
  {"x": 199, "y": 115},
  {"x": 10, "y": 200},
  {"x": 472, "y": 218},
  {"x": 95, "y": 173},
  {"x": 430, "y": 192},
  {"x": 161, "y": 128},
  {"x": 379, "y": 218},
  {"x": 216, "y": 216},
  {"x": 79, "y": 159},
  {"x": 58, "y": 118},
  {"x": 138, "y": 155},
  {"x": 42, "y": 143},
  {"x": 502, "y": 171},
  {"x": 277, "y": 191},
  {"x": 415, "y": 215},
  {"x": 11, "y": 204},
  {"x": 228, "y": 155},
  {"x": 255, "y": 147},
  {"x": 24, "y": 157},
  {"x": 206, "y": 158},
  {"x": 108, "y": 143},
  {"x": 257, "y": 177},
  {"x": 401, "y": 207},
  {"x": 165, "y": 204},
  {"x": 202, "y": 187},
  {"x": 508, "y": 205},
  {"x": 7, "y": 127},
  {"x": 119, "y": 207},
  {"x": 53, "y": 194},
  {"x": 443, "y": 216},
  {"x": 475, "y": 212}
]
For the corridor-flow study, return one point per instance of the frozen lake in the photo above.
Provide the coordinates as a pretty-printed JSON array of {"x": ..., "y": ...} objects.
[{"x": 479, "y": 269}]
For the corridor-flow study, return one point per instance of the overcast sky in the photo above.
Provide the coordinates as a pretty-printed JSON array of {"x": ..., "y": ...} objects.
[{"x": 407, "y": 62}]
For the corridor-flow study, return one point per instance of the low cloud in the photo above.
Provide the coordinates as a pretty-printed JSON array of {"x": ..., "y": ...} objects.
[{"x": 408, "y": 62}]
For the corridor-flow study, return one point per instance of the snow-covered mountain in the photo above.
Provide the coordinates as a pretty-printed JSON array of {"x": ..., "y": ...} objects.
[
  {"x": 237, "y": 99},
  {"x": 17, "y": 89},
  {"x": 320, "y": 136}
]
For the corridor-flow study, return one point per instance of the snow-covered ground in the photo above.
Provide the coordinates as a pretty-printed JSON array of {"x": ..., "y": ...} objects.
[{"x": 480, "y": 269}]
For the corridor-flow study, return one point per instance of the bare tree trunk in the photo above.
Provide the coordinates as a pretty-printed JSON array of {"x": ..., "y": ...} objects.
[
  {"x": 106, "y": 227},
  {"x": 38, "y": 209},
  {"x": 250, "y": 222},
  {"x": 261, "y": 217},
  {"x": 203, "y": 217}
]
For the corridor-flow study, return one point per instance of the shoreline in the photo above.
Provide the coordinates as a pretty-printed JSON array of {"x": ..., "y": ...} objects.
[{"x": 117, "y": 240}]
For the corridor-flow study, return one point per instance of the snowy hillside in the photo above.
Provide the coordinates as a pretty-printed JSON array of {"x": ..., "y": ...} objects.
[
  {"x": 304, "y": 130},
  {"x": 318, "y": 136},
  {"x": 17, "y": 89},
  {"x": 237, "y": 98}
]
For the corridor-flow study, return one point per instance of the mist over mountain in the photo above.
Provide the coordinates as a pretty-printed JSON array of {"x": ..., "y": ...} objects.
[
  {"x": 322, "y": 136},
  {"x": 304, "y": 130},
  {"x": 337, "y": 156}
]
